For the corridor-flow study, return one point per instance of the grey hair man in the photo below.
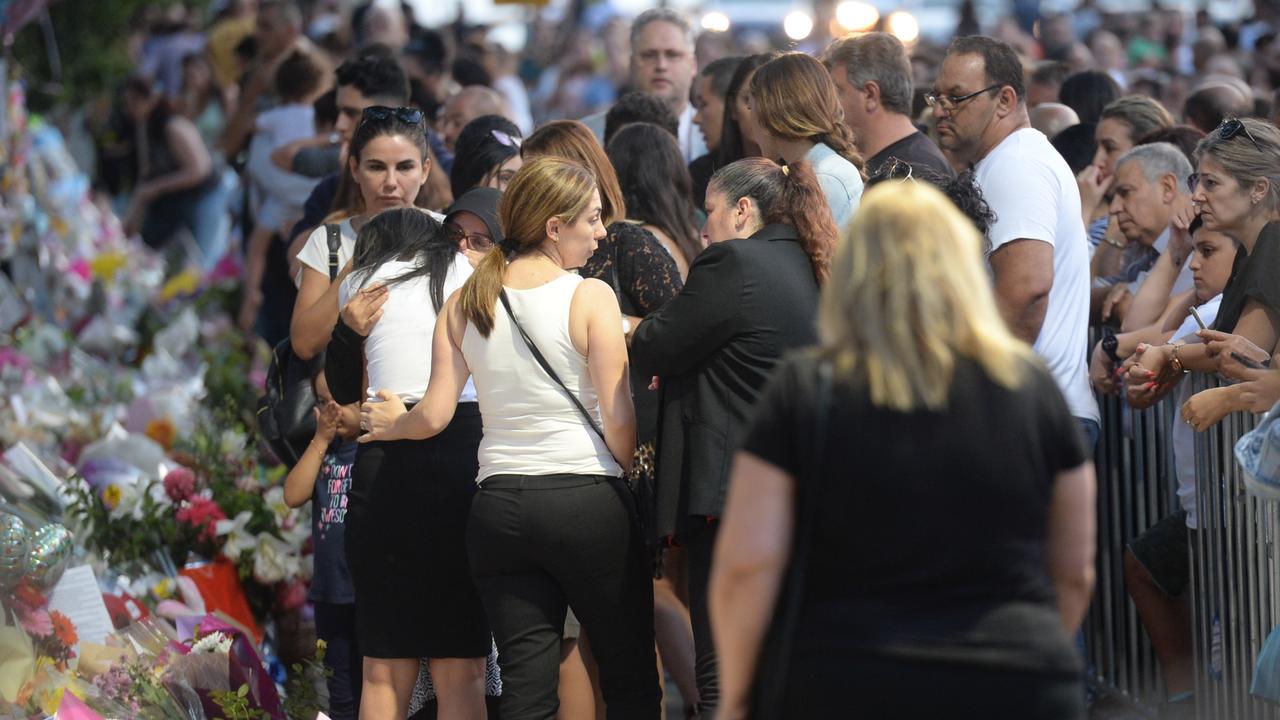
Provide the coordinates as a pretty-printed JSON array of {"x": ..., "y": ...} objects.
[
  {"x": 466, "y": 105},
  {"x": 663, "y": 64},
  {"x": 872, "y": 75},
  {"x": 1150, "y": 190}
]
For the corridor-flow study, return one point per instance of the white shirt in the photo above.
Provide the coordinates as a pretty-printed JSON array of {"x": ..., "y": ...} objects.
[
  {"x": 282, "y": 192},
  {"x": 1184, "y": 436},
  {"x": 1034, "y": 196},
  {"x": 692, "y": 144},
  {"x": 530, "y": 425},
  {"x": 315, "y": 252},
  {"x": 398, "y": 349}
]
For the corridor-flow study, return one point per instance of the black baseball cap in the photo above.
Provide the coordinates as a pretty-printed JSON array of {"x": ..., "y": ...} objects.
[{"x": 483, "y": 203}]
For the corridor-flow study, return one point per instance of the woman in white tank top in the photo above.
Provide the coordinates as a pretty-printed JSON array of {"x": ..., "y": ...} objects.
[{"x": 552, "y": 525}]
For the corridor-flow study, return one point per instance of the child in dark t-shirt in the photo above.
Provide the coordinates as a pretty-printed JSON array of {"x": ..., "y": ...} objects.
[{"x": 323, "y": 476}]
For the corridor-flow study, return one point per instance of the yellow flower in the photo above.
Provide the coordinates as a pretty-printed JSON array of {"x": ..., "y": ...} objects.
[
  {"x": 106, "y": 265},
  {"x": 182, "y": 284},
  {"x": 162, "y": 431},
  {"x": 111, "y": 496}
]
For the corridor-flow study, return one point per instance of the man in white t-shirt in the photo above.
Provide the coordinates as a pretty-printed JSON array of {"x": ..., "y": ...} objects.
[
  {"x": 1039, "y": 255},
  {"x": 663, "y": 64}
]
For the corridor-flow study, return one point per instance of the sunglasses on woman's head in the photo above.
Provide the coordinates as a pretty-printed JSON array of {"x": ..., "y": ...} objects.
[
  {"x": 412, "y": 116},
  {"x": 1232, "y": 127},
  {"x": 506, "y": 139}
]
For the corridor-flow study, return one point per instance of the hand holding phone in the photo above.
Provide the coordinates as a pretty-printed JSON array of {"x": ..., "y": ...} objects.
[{"x": 1196, "y": 315}]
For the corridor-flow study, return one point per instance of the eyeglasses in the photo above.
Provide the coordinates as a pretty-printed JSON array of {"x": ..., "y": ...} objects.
[
  {"x": 949, "y": 102},
  {"x": 1233, "y": 127},
  {"x": 412, "y": 116},
  {"x": 476, "y": 241},
  {"x": 506, "y": 139}
]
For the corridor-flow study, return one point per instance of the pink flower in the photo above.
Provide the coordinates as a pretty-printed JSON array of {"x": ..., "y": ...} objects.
[
  {"x": 202, "y": 514},
  {"x": 180, "y": 484},
  {"x": 37, "y": 622},
  {"x": 81, "y": 269},
  {"x": 228, "y": 268},
  {"x": 292, "y": 595}
]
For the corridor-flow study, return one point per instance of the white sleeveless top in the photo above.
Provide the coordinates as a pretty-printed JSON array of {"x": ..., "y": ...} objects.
[{"x": 530, "y": 425}]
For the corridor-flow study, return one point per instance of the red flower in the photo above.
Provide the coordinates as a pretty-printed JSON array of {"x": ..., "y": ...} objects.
[
  {"x": 63, "y": 628},
  {"x": 180, "y": 484},
  {"x": 203, "y": 515},
  {"x": 27, "y": 596}
]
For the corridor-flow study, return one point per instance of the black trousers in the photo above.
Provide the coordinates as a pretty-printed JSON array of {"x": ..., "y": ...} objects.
[
  {"x": 541, "y": 543},
  {"x": 699, "y": 542}
]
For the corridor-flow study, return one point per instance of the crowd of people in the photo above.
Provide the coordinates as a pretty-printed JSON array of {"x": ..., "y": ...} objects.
[{"x": 770, "y": 335}]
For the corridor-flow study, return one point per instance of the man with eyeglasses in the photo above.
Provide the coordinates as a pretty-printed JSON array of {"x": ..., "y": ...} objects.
[
  {"x": 1039, "y": 255},
  {"x": 663, "y": 64}
]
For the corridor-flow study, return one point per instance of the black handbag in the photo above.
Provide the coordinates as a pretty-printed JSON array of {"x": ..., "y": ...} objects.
[
  {"x": 774, "y": 659},
  {"x": 285, "y": 418},
  {"x": 641, "y": 497}
]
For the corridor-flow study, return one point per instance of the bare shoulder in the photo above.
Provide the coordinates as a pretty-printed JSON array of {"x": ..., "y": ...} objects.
[{"x": 593, "y": 296}]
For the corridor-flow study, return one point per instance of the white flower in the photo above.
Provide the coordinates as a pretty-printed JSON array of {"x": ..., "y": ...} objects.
[
  {"x": 232, "y": 443},
  {"x": 274, "y": 498},
  {"x": 215, "y": 643},
  {"x": 273, "y": 561},
  {"x": 127, "y": 500},
  {"x": 238, "y": 539}
]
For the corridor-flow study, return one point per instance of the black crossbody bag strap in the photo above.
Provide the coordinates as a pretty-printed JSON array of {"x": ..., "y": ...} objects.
[
  {"x": 335, "y": 242},
  {"x": 546, "y": 367}
]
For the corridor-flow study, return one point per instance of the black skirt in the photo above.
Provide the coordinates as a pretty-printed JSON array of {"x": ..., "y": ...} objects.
[{"x": 406, "y": 545}]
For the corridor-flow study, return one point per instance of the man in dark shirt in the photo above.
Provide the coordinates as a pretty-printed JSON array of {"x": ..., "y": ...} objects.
[
  {"x": 872, "y": 75},
  {"x": 372, "y": 78}
]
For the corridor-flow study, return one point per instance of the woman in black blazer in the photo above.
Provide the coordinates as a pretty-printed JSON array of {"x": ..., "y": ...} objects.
[{"x": 751, "y": 296}]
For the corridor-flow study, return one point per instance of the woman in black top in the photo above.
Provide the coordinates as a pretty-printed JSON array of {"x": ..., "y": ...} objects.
[
  {"x": 949, "y": 501},
  {"x": 1237, "y": 192},
  {"x": 655, "y": 187},
  {"x": 751, "y": 296}
]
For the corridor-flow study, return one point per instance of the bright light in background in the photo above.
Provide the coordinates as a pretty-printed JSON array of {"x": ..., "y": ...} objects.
[
  {"x": 797, "y": 25},
  {"x": 904, "y": 25},
  {"x": 857, "y": 16},
  {"x": 715, "y": 21}
]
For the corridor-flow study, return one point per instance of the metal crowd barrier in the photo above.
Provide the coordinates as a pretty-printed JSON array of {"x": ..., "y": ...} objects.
[
  {"x": 1235, "y": 570},
  {"x": 1134, "y": 461},
  {"x": 1235, "y": 603}
]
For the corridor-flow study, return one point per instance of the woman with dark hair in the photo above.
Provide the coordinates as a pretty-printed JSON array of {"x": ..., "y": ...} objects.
[
  {"x": 709, "y": 94},
  {"x": 751, "y": 296},
  {"x": 1088, "y": 92},
  {"x": 177, "y": 188},
  {"x": 739, "y": 136},
  {"x": 552, "y": 526},
  {"x": 487, "y": 154},
  {"x": 655, "y": 186},
  {"x": 386, "y": 163},
  {"x": 408, "y": 502},
  {"x": 795, "y": 105}
]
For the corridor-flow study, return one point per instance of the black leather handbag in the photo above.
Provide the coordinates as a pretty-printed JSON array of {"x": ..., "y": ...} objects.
[{"x": 286, "y": 420}]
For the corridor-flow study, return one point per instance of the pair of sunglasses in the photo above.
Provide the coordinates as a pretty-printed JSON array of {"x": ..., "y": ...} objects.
[
  {"x": 505, "y": 139},
  {"x": 378, "y": 113},
  {"x": 1228, "y": 129}
]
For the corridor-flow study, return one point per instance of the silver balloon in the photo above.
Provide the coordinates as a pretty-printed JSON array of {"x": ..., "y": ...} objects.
[
  {"x": 50, "y": 552},
  {"x": 15, "y": 542}
]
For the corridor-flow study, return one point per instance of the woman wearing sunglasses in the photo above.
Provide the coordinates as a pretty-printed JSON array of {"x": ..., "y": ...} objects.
[
  {"x": 387, "y": 164},
  {"x": 1237, "y": 193}
]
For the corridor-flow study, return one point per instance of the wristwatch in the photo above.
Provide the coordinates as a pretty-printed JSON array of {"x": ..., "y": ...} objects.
[{"x": 1110, "y": 343}]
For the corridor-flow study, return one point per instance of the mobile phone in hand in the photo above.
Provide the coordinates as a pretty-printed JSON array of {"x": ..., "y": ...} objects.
[{"x": 1196, "y": 315}]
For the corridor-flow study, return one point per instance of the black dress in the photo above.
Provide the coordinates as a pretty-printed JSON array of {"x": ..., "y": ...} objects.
[
  {"x": 645, "y": 277},
  {"x": 406, "y": 530},
  {"x": 927, "y": 592}
]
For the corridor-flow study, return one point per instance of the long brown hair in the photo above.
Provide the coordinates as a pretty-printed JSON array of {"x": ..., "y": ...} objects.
[
  {"x": 571, "y": 140},
  {"x": 544, "y": 188},
  {"x": 795, "y": 99},
  {"x": 787, "y": 196}
]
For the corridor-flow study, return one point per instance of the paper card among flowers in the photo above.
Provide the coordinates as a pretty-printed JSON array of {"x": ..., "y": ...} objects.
[{"x": 78, "y": 596}]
